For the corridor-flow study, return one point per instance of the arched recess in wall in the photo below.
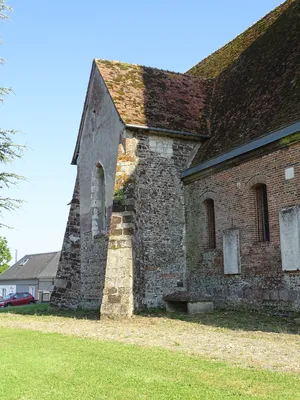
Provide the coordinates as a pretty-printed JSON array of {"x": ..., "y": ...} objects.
[
  {"x": 257, "y": 185},
  {"x": 98, "y": 206},
  {"x": 256, "y": 180},
  {"x": 210, "y": 223},
  {"x": 262, "y": 212},
  {"x": 208, "y": 208}
]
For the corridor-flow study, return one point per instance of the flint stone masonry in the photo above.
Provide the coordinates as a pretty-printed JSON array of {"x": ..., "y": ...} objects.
[
  {"x": 159, "y": 241},
  {"x": 262, "y": 281},
  {"x": 66, "y": 291}
]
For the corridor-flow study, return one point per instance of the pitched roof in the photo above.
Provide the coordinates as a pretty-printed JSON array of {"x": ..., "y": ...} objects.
[
  {"x": 51, "y": 268},
  {"x": 213, "y": 65},
  {"x": 156, "y": 98},
  {"x": 257, "y": 88},
  {"x": 34, "y": 267}
]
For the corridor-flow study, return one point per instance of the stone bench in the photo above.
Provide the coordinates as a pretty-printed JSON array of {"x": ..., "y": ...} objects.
[{"x": 188, "y": 303}]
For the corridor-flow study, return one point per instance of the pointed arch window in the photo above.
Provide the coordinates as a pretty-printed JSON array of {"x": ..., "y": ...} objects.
[{"x": 211, "y": 223}]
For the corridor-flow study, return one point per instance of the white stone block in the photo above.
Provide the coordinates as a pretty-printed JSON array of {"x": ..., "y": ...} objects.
[
  {"x": 289, "y": 223},
  {"x": 161, "y": 146},
  {"x": 289, "y": 173},
  {"x": 199, "y": 307},
  {"x": 231, "y": 251}
]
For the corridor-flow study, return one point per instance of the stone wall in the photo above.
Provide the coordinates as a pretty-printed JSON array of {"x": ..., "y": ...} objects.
[
  {"x": 100, "y": 138},
  {"x": 261, "y": 281},
  {"x": 159, "y": 240},
  {"x": 66, "y": 292},
  {"x": 118, "y": 290},
  {"x": 146, "y": 241},
  {"x": 130, "y": 244}
]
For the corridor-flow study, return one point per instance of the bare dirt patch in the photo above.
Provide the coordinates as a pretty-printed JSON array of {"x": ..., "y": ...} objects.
[{"x": 251, "y": 348}]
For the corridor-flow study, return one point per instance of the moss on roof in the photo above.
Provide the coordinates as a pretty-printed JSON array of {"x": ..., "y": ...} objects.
[
  {"x": 216, "y": 63},
  {"x": 259, "y": 91},
  {"x": 156, "y": 98},
  {"x": 241, "y": 92}
]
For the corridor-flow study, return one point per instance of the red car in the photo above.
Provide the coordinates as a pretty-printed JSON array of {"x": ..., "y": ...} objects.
[{"x": 17, "y": 299}]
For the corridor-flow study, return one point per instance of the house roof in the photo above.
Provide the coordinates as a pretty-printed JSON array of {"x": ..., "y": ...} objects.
[
  {"x": 256, "y": 82},
  {"x": 156, "y": 98},
  {"x": 38, "y": 265},
  {"x": 51, "y": 268}
]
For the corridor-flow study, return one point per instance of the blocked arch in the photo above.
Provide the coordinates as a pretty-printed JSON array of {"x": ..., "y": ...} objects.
[{"x": 98, "y": 206}]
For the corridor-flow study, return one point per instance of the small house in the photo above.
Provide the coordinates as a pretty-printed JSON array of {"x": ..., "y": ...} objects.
[{"x": 33, "y": 273}]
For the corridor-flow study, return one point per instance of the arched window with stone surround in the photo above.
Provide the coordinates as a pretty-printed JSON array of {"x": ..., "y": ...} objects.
[
  {"x": 98, "y": 201},
  {"x": 262, "y": 213},
  {"x": 210, "y": 223}
]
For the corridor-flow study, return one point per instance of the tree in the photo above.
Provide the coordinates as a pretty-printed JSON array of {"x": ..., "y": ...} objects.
[
  {"x": 5, "y": 255},
  {"x": 9, "y": 151}
]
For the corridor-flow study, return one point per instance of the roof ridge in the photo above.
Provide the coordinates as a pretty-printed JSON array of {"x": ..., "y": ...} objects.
[
  {"x": 105, "y": 61},
  {"x": 39, "y": 254}
]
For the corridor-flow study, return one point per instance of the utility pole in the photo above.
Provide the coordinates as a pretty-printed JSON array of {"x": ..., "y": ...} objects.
[{"x": 16, "y": 255}]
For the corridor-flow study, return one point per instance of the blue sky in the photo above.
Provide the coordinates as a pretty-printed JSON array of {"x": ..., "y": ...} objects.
[{"x": 49, "y": 47}]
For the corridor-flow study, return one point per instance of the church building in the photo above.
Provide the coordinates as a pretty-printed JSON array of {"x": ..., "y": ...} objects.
[{"x": 190, "y": 182}]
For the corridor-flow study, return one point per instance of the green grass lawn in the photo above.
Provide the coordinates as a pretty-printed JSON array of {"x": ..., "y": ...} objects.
[
  {"x": 37, "y": 366},
  {"x": 43, "y": 309}
]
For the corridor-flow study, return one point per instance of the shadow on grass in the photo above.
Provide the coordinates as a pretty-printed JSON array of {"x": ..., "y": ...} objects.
[
  {"x": 224, "y": 319},
  {"x": 237, "y": 320},
  {"x": 45, "y": 310}
]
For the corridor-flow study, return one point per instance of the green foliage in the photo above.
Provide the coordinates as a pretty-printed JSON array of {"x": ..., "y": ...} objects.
[
  {"x": 290, "y": 139},
  {"x": 9, "y": 151},
  {"x": 5, "y": 255},
  {"x": 119, "y": 195},
  {"x": 4, "y": 10}
]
